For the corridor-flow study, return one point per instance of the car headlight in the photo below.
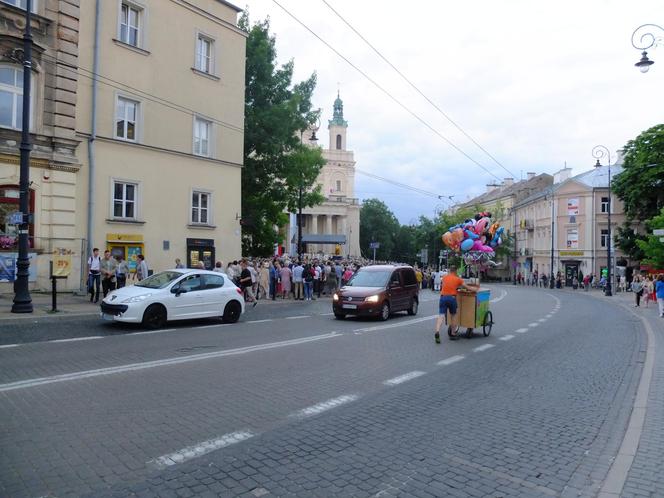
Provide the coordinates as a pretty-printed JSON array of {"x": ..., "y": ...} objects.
[
  {"x": 335, "y": 297},
  {"x": 372, "y": 299},
  {"x": 137, "y": 299}
]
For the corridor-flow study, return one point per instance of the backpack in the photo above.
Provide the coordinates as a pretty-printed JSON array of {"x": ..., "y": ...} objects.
[{"x": 308, "y": 274}]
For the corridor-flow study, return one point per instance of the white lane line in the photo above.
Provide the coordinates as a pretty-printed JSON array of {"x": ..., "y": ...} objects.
[
  {"x": 507, "y": 337},
  {"x": 404, "y": 378},
  {"x": 200, "y": 449},
  {"x": 401, "y": 323},
  {"x": 297, "y": 317},
  {"x": 131, "y": 367},
  {"x": 148, "y": 332},
  {"x": 259, "y": 321},
  {"x": 533, "y": 325},
  {"x": 450, "y": 360},
  {"x": 214, "y": 325},
  {"x": 325, "y": 405},
  {"x": 75, "y": 339},
  {"x": 549, "y": 315},
  {"x": 483, "y": 348},
  {"x": 521, "y": 331},
  {"x": 503, "y": 293},
  {"x": 326, "y": 314},
  {"x": 6, "y": 346},
  {"x": 542, "y": 320}
]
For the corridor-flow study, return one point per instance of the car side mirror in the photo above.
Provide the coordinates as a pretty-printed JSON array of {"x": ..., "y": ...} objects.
[{"x": 178, "y": 290}]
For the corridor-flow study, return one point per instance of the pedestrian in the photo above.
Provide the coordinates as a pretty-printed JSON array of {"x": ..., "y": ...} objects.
[
  {"x": 141, "y": 268},
  {"x": 94, "y": 275},
  {"x": 637, "y": 289},
  {"x": 107, "y": 267},
  {"x": 121, "y": 272},
  {"x": 331, "y": 282},
  {"x": 308, "y": 277},
  {"x": 347, "y": 275},
  {"x": 575, "y": 283},
  {"x": 450, "y": 285},
  {"x": 274, "y": 277},
  {"x": 285, "y": 275},
  {"x": 200, "y": 265},
  {"x": 245, "y": 283},
  {"x": 659, "y": 293},
  {"x": 178, "y": 264},
  {"x": 298, "y": 282},
  {"x": 218, "y": 267},
  {"x": 264, "y": 281},
  {"x": 648, "y": 288},
  {"x": 254, "y": 277},
  {"x": 586, "y": 282},
  {"x": 339, "y": 270}
]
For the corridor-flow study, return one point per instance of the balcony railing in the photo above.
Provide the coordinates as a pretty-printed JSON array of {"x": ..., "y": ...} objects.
[{"x": 342, "y": 199}]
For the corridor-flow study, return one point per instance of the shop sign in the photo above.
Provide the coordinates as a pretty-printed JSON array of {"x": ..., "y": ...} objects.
[
  {"x": 200, "y": 242},
  {"x": 571, "y": 253}
]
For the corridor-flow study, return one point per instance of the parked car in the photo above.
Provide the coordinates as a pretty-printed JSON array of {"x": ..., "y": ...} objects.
[
  {"x": 378, "y": 291},
  {"x": 175, "y": 295}
]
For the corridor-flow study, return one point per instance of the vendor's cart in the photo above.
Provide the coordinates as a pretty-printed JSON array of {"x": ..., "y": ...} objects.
[{"x": 473, "y": 312}]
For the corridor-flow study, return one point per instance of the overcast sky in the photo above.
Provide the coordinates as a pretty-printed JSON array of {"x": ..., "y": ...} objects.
[{"x": 537, "y": 84}]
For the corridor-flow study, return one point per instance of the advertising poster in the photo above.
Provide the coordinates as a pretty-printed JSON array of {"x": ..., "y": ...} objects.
[
  {"x": 61, "y": 262},
  {"x": 572, "y": 238},
  {"x": 132, "y": 257},
  {"x": 8, "y": 266},
  {"x": 573, "y": 206}
]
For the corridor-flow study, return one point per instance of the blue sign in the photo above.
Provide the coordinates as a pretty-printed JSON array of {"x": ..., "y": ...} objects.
[
  {"x": 374, "y": 245},
  {"x": 15, "y": 218}
]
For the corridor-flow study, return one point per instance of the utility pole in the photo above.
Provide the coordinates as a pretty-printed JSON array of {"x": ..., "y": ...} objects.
[
  {"x": 22, "y": 299},
  {"x": 299, "y": 224}
]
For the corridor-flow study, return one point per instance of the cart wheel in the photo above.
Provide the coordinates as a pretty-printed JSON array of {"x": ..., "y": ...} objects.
[
  {"x": 487, "y": 323},
  {"x": 469, "y": 333},
  {"x": 449, "y": 331}
]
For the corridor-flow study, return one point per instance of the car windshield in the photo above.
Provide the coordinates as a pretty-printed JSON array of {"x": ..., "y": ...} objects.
[
  {"x": 159, "y": 280},
  {"x": 370, "y": 279}
]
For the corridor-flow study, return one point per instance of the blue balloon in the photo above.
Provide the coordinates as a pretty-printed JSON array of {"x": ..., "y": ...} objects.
[{"x": 467, "y": 245}]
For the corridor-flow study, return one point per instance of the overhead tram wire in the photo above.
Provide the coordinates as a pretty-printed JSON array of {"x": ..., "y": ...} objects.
[
  {"x": 403, "y": 185},
  {"x": 392, "y": 97},
  {"x": 135, "y": 91},
  {"x": 456, "y": 125}
]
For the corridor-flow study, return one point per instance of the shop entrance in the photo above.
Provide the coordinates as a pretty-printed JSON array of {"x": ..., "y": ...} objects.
[
  {"x": 127, "y": 245},
  {"x": 571, "y": 271},
  {"x": 200, "y": 250}
]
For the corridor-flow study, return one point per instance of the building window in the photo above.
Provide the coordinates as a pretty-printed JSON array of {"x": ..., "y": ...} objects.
[
  {"x": 605, "y": 205},
  {"x": 22, "y": 3},
  {"x": 124, "y": 200},
  {"x": 130, "y": 24},
  {"x": 11, "y": 97},
  {"x": 204, "y": 59},
  {"x": 338, "y": 185},
  {"x": 604, "y": 238},
  {"x": 338, "y": 142},
  {"x": 200, "y": 208},
  {"x": 126, "y": 116},
  {"x": 202, "y": 129}
]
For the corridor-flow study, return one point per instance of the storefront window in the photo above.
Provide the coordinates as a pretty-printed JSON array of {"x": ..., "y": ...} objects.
[{"x": 9, "y": 203}]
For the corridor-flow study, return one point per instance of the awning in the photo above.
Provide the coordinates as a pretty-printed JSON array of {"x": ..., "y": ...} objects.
[{"x": 320, "y": 238}]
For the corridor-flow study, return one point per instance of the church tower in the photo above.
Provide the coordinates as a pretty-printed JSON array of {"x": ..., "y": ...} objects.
[{"x": 338, "y": 126}]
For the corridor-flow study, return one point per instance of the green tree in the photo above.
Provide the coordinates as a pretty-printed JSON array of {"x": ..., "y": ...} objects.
[
  {"x": 276, "y": 164},
  {"x": 641, "y": 183},
  {"x": 404, "y": 245},
  {"x": 377, "y": 224},
  {"x": 652, "y": 247},
  {"x": 626, "y": 238}
]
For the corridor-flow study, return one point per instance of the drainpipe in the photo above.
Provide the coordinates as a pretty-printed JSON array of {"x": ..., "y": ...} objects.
[{"x": 93, "y": 136}]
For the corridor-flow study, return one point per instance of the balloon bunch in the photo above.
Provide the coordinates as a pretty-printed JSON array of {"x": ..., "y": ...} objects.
[{"x": 477, "y": 238}]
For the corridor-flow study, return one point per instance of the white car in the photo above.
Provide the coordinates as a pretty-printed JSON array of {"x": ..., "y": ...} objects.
[{"x": 175, "y": 295}]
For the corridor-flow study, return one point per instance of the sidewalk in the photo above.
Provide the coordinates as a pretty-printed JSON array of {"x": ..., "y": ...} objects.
[{"x": 71, "y": 304}]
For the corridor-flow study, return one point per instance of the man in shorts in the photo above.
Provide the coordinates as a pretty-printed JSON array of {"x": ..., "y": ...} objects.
[{"x": 450, "y": 285}]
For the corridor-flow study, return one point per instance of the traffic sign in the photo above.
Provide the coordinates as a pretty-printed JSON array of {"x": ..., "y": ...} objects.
[
  {"x": 374, "y": 245},
  {"x": 659, "y": 232},
  {"x": 15, "y": 218}
]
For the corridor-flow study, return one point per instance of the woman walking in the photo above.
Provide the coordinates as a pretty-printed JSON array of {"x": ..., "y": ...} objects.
[
  {"x": 659, "y": 292},
  {"x": 285, "y": 276},
  {"x": 637, "y": 289}
]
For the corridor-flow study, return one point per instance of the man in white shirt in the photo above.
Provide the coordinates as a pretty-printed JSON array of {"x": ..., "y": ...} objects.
[
  {"x": 298, "y": 281},
  {"x": 94, "y": 275}
]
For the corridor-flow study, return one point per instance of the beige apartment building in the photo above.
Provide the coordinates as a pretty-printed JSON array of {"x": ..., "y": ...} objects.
[
  {"x": 333, "y": 225},
  {"x": 578, "y": 206},
  {"x": 162, "y": 133},
  {"x": 54, "y": 166}
]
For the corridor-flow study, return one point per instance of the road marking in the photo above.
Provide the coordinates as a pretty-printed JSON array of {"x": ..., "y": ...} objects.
[
  {"x": 549, "y": 315},
  {"x": 214, "y": 325},
  {"x": 450, "y": 360},
  {"x": 521, "y": 331},
  {"x": 9, "y": 346},
  {"x": 297, "y": 317},
  {"x": 507, "y": 337},
  {"x": 533, "y": 325},
  {"x": 404, "y": 378},
  {"x": 200, "y": 449},
  {"x": 503, "y": 293},
  {"x": 483, "y": 348},
  {"x": 148, "y": 332},
  {"x": 131, "y": 367},
  {"x": 260, "y": 321},
  {"x": 542, "y": 320},
  {"x": 396, "y": 324},
  {"x": 326, "y": 405},
  {"x": 326, "y": 314},
  {"x": 75, "y": 339}
]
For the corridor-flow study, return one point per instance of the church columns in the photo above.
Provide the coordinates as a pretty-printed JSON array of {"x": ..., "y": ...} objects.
[
  {"x": 312, "y": 248},
  {"x": 328, "y": 224}
]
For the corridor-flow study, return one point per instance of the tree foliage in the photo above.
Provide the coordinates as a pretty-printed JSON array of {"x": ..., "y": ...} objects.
[
  {"x": 653, "y": 249},
  {"x": 641, "y": 183},
  {"x": 276, "y": 164},
  {"x": 377, "y": 224}
]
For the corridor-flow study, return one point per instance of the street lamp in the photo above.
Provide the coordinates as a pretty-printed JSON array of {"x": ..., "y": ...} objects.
[
  {"x": 600, "y": 151},
  {"x": 643, "y": 39}
]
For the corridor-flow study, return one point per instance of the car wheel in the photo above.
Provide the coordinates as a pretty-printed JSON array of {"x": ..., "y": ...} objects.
[
  {"x": 154, "y": 316},
  {"x": 232, "y": 312},
  {"x": 339, "y": 316},
  {"x": 413, "y": 307},
  {"x": 385, "y": 311}
]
